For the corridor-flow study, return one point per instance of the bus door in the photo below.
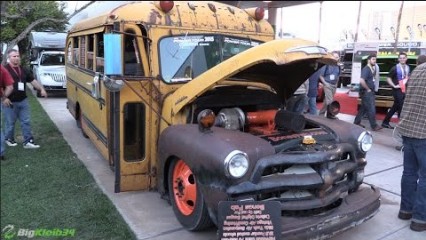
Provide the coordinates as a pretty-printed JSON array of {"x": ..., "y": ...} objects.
[{"x": 129, "y": 115}]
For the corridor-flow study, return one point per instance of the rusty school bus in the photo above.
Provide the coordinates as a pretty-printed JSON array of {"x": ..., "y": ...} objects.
[{"x": 188, "y": 98}]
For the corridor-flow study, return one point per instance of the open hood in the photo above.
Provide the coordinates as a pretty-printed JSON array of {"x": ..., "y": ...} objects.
[{"x": 283, "y": 64}]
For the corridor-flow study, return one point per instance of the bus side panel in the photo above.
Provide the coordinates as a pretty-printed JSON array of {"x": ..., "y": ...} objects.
[{"x": 93, "y": 111}]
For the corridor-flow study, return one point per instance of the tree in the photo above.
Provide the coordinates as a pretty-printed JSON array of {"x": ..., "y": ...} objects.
[
  {"x": 358, "y": 21},
  {"x": 398, "y": 25},
  {"x": 19, "y": 18}
]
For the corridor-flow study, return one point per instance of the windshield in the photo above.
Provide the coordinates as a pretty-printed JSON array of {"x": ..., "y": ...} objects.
[
  {"x": 183, "y": 58},
  {"x": 52, "y": 59}
]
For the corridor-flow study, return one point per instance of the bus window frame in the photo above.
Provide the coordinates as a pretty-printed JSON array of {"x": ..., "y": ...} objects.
[{"x": 141, "y": 48}]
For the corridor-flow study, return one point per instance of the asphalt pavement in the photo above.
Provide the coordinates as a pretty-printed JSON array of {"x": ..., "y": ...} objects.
[{"x": 151, "y": 217}]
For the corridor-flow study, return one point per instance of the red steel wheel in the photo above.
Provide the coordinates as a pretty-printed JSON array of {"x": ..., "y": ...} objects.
[
  {"x": 186, "y": 198},
  {"x": 184, "y": 188}
]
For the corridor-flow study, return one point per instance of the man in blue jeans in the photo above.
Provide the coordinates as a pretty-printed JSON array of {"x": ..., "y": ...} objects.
[
  {"x": 366, "y": 92},
  {"x": 6, "y": 88},
  {"x": 18, "y": 103},
  {"x": 313, "y": 92},
  {"x": 412, "y": 127}
]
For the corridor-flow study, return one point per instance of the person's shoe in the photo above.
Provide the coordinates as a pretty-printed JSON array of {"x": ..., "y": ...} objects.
[
  {"x": 10, "y": 143},
  {"x": 418, "y": 227},
  {"x": 31, "y": 145},
  {"x": 359, "y": 124},
  {"x": 2, "y": 158},
  {"x": 404, "y": 215},
  {"x": 377, "y": 128},
  {"x": 387, "y": 125}
]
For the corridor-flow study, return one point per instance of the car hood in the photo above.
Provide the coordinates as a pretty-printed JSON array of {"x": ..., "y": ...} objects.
[
  {"x": 282, "y": 64},
  {"x": 52, "y": 69}
]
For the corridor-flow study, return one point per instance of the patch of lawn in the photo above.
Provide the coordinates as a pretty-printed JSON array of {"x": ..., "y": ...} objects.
[{"x": 49, "y": 188}]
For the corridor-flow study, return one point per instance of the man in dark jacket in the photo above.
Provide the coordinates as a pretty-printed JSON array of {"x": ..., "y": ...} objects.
[{"x": 19, "y": 109}]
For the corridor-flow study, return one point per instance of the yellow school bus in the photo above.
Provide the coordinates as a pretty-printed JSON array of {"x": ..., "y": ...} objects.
[{"x": 189, "y": 99}]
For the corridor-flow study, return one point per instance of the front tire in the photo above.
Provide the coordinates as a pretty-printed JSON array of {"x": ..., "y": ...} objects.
[{"x": 186, "y": 198}]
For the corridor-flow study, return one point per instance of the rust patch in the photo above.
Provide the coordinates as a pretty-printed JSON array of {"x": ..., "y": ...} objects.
[
  {"x": 153, "y": 16},
  {"x": 168, "y": 20},
  {"x": 257, "y": 27}
]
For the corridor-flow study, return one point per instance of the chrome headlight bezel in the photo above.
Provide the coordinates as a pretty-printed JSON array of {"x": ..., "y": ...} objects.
[
  {"x": 236, "y": 164},
  {"x": 365, "y": 141}
]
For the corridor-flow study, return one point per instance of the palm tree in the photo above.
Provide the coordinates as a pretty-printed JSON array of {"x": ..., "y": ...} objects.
[
  {"x": 398, "y": 26},
  {"x": 357, "y": 22},
  {"x": 320, "y": 20}
]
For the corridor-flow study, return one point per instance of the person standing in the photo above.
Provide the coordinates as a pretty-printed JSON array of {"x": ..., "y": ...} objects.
[
  {"x": 19, "y": 107},
  {"x": 366, "y": 92},
  {"x": 313, "y": 92},
  {"x": 412, "y": 128},
  {"x": 329, "y": 76},
  {"x": 398, "y": 76},
  {"x": 6, "y": 88}
]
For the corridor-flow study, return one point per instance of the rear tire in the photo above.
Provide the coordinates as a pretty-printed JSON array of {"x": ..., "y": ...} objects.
[
  {"x": 80, "y": 125},
  {"x": 186, "y": 198}
]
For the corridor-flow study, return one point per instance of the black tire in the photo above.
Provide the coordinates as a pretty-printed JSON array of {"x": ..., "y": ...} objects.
[
  {"x": 196, "y": 217},
  {"x": 79, "y": 124},
  {"x": 38, "y": 93}
]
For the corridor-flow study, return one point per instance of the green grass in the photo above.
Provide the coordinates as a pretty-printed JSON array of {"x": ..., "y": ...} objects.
[{"x": 50, "y": 188}]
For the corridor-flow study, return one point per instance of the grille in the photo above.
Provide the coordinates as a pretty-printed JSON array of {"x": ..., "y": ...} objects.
[{"x": 57, "y": 77}]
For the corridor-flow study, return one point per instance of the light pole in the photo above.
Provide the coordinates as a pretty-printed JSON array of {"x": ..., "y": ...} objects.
[{"x": 410, "y": 32}]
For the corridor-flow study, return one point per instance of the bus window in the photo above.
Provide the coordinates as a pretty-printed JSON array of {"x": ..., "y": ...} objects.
[
  {"x": 69, "y": 53},
  {"x": 100, "y": 52},
  {"x": 198, "y": 53},
  {"x": 134, "y": 131},
  {"x": 132, "y": 62},
  {"x": 75, "y": 51},
  {"x": 83, "y": 51},
  {"x": 90, "y": 54}
]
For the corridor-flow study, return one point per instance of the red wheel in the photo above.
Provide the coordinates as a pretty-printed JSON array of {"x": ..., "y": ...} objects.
[
  {"x": 184, "y": 188},
  {"x": 186, "y": 198}
]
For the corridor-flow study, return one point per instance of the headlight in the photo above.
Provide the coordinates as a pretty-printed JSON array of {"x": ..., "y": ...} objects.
[
  {"x": 236, "y": 164},
  {"x": 365, "y": 141}
]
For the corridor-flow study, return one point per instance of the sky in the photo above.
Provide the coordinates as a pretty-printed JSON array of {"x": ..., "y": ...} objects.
[{"x": 337, "y": 17}]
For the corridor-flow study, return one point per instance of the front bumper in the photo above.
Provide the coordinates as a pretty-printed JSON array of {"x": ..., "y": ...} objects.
[{"x": 355, "y": 208}]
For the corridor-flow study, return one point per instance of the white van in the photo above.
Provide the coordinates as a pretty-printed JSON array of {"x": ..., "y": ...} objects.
[{"x": 48, "y": 60}]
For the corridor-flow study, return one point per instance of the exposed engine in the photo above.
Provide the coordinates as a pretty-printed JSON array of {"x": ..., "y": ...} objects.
[{"x": 260, "y": 122}]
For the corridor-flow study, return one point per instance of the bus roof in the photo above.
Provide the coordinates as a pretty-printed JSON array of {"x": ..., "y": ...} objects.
[{"x": 206, "y": 15}]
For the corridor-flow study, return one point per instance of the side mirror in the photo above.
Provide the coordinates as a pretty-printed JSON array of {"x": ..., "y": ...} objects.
[{"x": 112, "y": 52}]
